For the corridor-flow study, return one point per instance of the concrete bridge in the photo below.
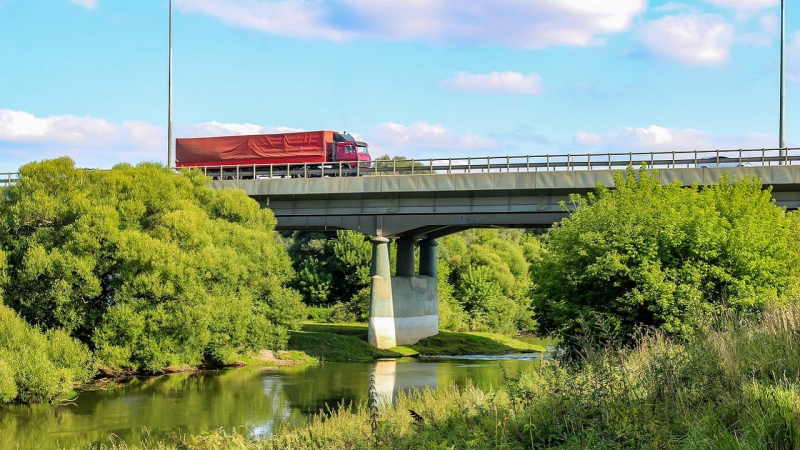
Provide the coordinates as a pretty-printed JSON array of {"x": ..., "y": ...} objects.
[{"x": 439, "y": 198}]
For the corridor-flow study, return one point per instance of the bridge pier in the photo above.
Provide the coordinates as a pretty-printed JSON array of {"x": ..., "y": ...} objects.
[{"x": 403, "y": 308}]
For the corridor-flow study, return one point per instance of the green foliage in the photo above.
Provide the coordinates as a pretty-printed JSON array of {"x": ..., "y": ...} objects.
[
  {"x": 663, "y": 256},
  {"x": 331, "y": 267},
  {"x": 37, "y": 367},
  {"x": 488, "y": 272},
  {"x": 149, "y": 267},
  {"x": 387, "y": 165}
]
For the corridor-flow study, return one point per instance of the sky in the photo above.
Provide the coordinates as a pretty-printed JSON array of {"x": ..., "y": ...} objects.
[{"x": 417, "y": 78}]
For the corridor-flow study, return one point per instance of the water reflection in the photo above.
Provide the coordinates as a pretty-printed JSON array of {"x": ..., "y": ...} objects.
[{"x": 250, "y": 400}]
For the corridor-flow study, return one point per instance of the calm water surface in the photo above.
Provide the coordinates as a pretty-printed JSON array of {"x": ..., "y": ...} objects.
[{"x": 250, "y": 400}]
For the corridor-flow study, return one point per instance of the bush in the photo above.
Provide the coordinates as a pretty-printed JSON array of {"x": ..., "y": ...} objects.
[
  {"x": 37, "y": 367},
  {"x": 149, "y": 267},
  {"x": 667, "y": 257}
]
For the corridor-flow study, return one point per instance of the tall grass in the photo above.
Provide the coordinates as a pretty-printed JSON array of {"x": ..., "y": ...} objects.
[{"x": 736, "y": 386}]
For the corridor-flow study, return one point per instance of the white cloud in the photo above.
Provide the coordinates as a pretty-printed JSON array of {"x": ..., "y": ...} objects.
[
  {"x": 768, "y": 30},
  {"x": 513, "y": 83},
  {"x": 88, "y": 4},
  {"x": 90, "y": 141},
  {"x": 690, "y": 39},
  {"x": 20, "y": 126},
  {"x": 515, "y": 23},
  {"x": 424, "y": 140},
  {"x": 673, "y": 7},
  {"x": 793, "y": 58},
  {"x": 588, "y": 138},
  {"x": 660, "y": 138},
  {"x": 208, "y": 129},
  {"x": 744, "y": 5}
]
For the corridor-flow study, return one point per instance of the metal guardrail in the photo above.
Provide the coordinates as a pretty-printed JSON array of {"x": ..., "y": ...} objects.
[
  {"x": 529, "y": 163},
  {"x": 498, "y": 164},
  {"x": 8, "y": 178}
]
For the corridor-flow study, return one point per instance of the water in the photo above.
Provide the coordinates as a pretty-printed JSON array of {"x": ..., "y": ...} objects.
[{"x": 254, "y": 401}]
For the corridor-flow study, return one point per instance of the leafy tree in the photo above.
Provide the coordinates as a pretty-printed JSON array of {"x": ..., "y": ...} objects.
[
  {"x": 489, "y": 275},
  {"x": 662, "y": 256},
  {"x": 331, "y": 267},
  {"x": 387, "y": 164},
  {"x": 149, "y": 267}
]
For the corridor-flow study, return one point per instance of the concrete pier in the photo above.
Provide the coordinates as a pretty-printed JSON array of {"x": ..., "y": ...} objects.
[
  {"x": 403, "y": 308},
  {"x": 381, "y": 332}
]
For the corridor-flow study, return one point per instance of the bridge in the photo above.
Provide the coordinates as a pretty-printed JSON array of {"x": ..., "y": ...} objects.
[{"x": 419, "y": 201}]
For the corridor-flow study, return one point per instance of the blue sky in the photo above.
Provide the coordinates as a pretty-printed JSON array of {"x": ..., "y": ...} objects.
[{"x": 418, "y": 78}]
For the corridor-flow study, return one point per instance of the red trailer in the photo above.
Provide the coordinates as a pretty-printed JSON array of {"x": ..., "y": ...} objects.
[{"x": 301, "y": 152}]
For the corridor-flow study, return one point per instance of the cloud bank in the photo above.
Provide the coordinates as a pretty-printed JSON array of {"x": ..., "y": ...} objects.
[
  {"x": 514, "y": 23},
  {"x": 425, "y": 140},
  {"x": 692, "y": 39},
  {"x": 513, "y": 83},
  {"x": 655, "y": 138}
]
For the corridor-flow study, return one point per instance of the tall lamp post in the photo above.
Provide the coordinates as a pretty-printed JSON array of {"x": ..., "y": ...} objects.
[
  {"x": 781, "y": 140},
  {"x": 170, "y": 150}
]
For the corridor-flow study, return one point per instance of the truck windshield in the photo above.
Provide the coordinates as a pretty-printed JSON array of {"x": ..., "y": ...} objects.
[{"x": 362, "y": 149}]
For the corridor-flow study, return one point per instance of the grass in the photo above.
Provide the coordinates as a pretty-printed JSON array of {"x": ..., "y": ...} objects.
[
  {"x": 332, "y": 347},
  {"x": 735, "y": 386},
  {"x": 343, "y": 342}
]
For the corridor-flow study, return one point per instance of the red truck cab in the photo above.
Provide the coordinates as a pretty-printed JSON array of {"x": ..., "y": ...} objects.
[{"x": 346, "y": 148}]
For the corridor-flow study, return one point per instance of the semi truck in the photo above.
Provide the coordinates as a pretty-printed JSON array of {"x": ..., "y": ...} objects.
[{"x": 300, "y": 154}]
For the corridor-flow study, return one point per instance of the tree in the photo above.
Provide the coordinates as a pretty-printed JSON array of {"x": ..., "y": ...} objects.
[
  {"x": 489, "y": 274},
  {"x": 149, "y": 267},
  {"x": 666, "y": 257},
  {"x": 331, "y": 267}
]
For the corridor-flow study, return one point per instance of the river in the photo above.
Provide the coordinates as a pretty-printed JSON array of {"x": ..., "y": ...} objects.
[{"x": 251, "y": 400}]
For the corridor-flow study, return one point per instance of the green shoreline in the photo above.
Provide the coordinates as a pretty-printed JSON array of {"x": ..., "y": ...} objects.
[
  {"x": 316, "y": 343},
  {"x": 348, "y": 343}
]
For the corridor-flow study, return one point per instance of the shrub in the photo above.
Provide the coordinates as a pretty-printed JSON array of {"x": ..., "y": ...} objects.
[
  {"x": 37, "y": 367},
  {"x": 668, "y": 257},
  {"x": 149, "y": 267}
]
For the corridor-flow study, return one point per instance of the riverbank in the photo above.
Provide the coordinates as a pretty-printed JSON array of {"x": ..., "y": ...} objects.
[
  {"x": 347, "y": 342},
  {"x": 734, "y": 386}
]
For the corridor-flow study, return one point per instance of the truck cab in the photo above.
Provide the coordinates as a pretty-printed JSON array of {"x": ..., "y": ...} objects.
[{"x": 346, "y": 148}]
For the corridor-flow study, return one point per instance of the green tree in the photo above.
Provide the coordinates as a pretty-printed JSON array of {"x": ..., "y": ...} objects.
[
  {"x": 490, "y": 279},
  {"x": 662, "y": 256},
  {"x": 149, "y": 267},
  {"x": 331, "y": 267}
]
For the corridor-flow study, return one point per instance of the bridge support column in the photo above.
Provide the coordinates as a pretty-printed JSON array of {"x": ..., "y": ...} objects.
[
  {"x": 381, "y": 333},
  {"x": 404, "y": 308},
  {"x": 427, "y": 258},
  {"x": 405, "y": 257}
]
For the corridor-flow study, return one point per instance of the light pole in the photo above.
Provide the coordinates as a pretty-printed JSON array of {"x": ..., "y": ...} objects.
[
  {"x": 170, "y": 151},
  {"x": 781, "y": 140}
]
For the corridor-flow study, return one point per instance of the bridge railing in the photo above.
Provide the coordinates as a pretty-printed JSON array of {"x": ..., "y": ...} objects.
[
  {"x": 8, "y": 178},
  {"x": 489, "y": 164},
  {"x": 526, "y": 163}
]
